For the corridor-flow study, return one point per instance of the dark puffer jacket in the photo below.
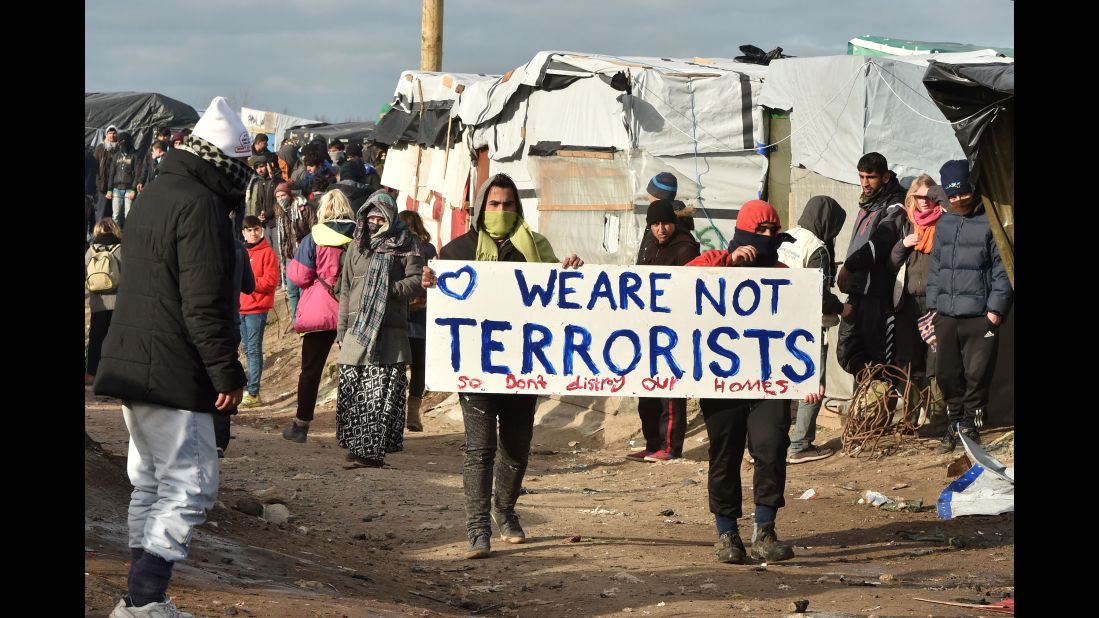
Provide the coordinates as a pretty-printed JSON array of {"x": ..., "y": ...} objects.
[
  {"x": 172, "y": 340},
  {"x": 877, "y": 229},
  {"x": 966, "y": 277}
]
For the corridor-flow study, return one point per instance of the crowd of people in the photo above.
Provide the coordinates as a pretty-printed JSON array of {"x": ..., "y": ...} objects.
[{"x": 214, "y": 223}]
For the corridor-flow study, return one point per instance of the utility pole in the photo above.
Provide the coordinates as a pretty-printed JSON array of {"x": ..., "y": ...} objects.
[{"x": 431, "y": 36}]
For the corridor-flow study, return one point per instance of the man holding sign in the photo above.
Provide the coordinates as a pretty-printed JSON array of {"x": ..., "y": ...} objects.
[
  {"x": 729, "y": 422},
  {"x": 498, "y": 234}
]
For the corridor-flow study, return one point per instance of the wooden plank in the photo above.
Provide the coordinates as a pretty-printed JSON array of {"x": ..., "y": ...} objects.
[
  {"x": 585, "y": 154},
  {"x": 592, "y": 207}
]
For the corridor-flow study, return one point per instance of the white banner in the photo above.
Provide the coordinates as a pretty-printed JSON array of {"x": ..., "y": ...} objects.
[{"x": 600, "y": 330}]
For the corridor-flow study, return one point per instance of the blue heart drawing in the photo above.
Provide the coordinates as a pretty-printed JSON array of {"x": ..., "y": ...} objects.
[{"x": 445, "y": 289}]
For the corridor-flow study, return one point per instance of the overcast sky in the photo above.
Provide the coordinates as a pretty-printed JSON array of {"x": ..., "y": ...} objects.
[{"x": 339, "y": 60}]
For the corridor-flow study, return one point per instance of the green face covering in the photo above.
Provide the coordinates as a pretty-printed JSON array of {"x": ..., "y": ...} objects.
[{"x": 500, "y": 223}]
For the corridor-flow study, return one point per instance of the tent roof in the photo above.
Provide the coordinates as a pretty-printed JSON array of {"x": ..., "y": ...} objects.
[
  {"x": 342, "y": 130},
  {"x": 135, "y": 112},
  {"x": 485, "y": 101},
  {"x": 846, "y": 106},
  {"x": 869, "y": 45}
]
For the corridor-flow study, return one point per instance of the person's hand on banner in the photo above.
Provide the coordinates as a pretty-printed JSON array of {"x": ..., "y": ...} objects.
[
  {"x": 571, "y": 262},
  {"x": 428, "y": 279},
  {"x": 815, "y": 397}
]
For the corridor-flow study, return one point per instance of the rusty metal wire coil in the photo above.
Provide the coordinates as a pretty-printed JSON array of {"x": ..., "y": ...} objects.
[{"x": 883, "y": 411}]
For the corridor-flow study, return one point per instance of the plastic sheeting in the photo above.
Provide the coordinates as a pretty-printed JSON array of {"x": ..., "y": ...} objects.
[
  {"x": 845, "y": 106},
  {"x": 670, "y": 112},
  {"x": 981, "y": 98},
  {"x": 137, "y": 113},
  {"x": 827, "y": 97},
  {"x": 273, "y": 124},
  {"x": 586, "y": 113}
]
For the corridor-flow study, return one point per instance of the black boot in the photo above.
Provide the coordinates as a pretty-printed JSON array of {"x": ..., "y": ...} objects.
[
  {"x": 765, "y": 544},
  {"x": 730, "y": 549},
  {"x": 949, "y": 441}
]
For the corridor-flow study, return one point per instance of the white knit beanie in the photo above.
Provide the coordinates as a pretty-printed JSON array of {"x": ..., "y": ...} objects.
[{"x": 222, "y": 127}]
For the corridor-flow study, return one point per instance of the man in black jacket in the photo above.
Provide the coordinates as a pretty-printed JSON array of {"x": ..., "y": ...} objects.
[
  {"x": 664, "y": 420},
  {"x": 866, "y": 336},
  {"x": 968, "y": 287},
  {"x": 497, "y": 233},
  {"x": 171, "y": 353}
]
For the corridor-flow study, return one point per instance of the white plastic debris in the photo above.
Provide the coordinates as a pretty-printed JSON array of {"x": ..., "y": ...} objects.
[{"x": 988, "y": 488}]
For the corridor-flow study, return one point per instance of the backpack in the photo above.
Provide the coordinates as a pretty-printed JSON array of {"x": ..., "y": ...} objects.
[{"x": 104, "y": 274}]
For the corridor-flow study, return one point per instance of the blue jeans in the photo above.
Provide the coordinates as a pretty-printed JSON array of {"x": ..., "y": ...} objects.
[
  {"x": 120, "y": 204},
  {"x": 251, "y": 335},
  {"x": 805, "y": 428},
  {"x": 293, "y": 293}
]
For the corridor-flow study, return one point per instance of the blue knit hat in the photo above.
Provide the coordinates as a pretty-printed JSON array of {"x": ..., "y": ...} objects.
[
  {"x": 663, "y": 186},
  {"x": 954, "y": 176}
]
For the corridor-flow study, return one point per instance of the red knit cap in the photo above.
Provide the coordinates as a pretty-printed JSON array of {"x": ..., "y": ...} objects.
[
  {"x": 283, "y": 187},
  {"x": 754, "y": 212}
]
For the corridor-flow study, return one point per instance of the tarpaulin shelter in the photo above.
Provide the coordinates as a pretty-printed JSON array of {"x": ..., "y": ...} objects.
[
  {"x": 581, "y": 134},
  {"x": 980, "y": 100},
  {"x": 138, "y": 113},
  {"x": 428, "y": 160}
]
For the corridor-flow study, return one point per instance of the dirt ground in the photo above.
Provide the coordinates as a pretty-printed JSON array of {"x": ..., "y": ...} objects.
[{"x": 388, "y": 542}]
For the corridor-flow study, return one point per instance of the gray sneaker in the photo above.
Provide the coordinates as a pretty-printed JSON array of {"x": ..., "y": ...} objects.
[
  {"x": 164, "y": 609},
  {"x": 730, "y": 549},
  {"x": 479, "y": 546},
  {"x": 813, "y": 453},
  {"x": 508, "y": 523}
]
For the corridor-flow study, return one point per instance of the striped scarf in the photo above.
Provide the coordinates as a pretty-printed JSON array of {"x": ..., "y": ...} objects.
[{"x": 393, "y": 239}]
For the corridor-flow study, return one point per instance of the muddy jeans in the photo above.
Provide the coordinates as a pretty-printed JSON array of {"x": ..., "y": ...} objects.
[{"x": 481, "y": 413}]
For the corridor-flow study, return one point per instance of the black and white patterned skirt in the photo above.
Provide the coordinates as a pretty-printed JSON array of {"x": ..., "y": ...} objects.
[{"x": 370, "y": 409}]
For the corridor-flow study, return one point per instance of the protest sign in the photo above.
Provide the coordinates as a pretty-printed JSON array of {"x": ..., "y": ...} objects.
[{"x": 600, "y": 330}]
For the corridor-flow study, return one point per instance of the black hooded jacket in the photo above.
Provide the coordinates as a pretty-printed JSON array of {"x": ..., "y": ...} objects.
[
  {"x": 877, "y": 229},
  {"x": 824, "y": 218},
  {"x": 173, "y": 340}
]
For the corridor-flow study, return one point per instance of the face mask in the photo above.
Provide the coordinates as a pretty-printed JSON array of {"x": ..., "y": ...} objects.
[
  {"x": 373, "y": 228},
  {"x": 284, "y": 201},
  {"x": 500, "y": 223}
]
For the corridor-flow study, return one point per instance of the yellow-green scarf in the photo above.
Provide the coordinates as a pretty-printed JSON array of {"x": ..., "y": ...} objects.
[{"x": 534, "y": 248}]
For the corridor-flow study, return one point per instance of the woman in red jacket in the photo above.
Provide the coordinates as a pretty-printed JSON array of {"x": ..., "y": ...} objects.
[{"x": 254, "y": 306}]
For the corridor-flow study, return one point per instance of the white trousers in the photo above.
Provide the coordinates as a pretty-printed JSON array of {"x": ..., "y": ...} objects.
[{"x": 173, "y": 466}]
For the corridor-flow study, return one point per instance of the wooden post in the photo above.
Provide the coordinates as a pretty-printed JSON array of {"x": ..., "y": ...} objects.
[{"x": 431, "y": 36}]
